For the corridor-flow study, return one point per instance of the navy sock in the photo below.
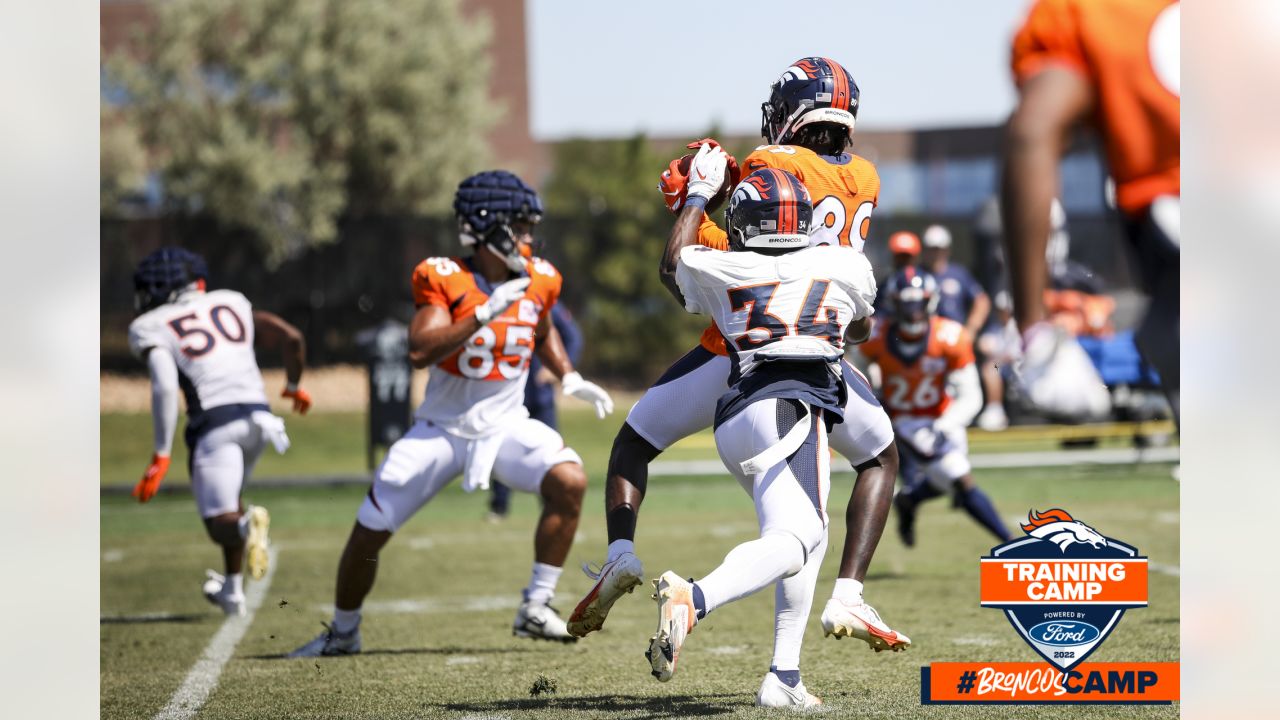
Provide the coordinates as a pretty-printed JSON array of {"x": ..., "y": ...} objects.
[
  {"x": 979, "y": 506},
  {"x": 699, "y": 601},
  {"x": 790, "y": 678}
]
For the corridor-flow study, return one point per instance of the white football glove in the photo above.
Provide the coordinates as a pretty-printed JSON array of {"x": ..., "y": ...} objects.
[
  {"x": 920, "y": 434},
  {"x": 503, "y": 297},
  {"x": 1057, "y": 377},
  {"x": 573, "y": 384},
  {"x": 706, "y": 172}
]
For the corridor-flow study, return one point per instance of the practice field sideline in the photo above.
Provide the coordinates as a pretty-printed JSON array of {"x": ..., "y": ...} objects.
[{"x": 437, "y": 628}]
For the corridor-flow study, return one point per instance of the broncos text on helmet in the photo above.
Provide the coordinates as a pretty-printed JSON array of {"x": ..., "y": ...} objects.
[
  {"x": 915, "y": 300},
  {"x": 163, "y": 274},
  {"x": 488, "y": 204},
  {"x": 769, "y": 210},
  {"x": 811, "y": 90}
]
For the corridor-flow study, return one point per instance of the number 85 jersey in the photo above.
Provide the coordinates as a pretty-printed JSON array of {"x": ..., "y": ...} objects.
[{"x": 474, "y": 389}]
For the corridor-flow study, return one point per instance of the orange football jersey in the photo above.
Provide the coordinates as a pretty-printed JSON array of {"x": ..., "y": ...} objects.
[
  {"x": 843, "y": 198},
  {"x": 918, "y": 386},
  {"x": 1128, "y": 50},
  {"x": 500, "y": 350}
]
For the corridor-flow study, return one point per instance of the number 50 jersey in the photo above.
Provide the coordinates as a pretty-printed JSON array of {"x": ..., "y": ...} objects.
[
  {"x": 473, "y": 390},
  {"x": 785, "y": 307}
]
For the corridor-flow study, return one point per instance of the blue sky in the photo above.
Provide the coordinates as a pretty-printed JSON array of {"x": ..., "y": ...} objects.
[{"x": 605, "y": 69}]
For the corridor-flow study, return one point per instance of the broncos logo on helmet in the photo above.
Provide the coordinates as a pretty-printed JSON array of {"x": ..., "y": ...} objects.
[
  {"x": 488, "y": 204},
  {"x": 811, "y": 90},
  {"x": 163, "y": 274},
  {"x": 769, "y": 210},
  {"x": 1058, "y": 527}
]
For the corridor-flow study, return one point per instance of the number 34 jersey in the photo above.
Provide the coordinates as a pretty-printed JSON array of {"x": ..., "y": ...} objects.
[
  {"x": 792, "y": 306},
  {"x": 210, "y": 335},
  {"x": 915, "y": 375},
  {"x": 481, "y": 384}
]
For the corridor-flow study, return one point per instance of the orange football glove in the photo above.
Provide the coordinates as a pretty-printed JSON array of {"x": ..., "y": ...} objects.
[
  {"x": 151, "y": 479},
  {"x": 301, "y": 399}
]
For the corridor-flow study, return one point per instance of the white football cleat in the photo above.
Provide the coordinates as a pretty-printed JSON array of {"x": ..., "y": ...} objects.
[
  {"x": 993, "y": 419},
  {"x": 775, "y": 693},
  {"x": 213, "y": 592},
  {"x": 540, "y": 621},
  {"x": 863, "y": 622},
  {"x": 255, "y": 543},
  {"x": 615, "y": 578},
  {"x": 676, "y": 618},
  {"x": 330, "y": 643}
]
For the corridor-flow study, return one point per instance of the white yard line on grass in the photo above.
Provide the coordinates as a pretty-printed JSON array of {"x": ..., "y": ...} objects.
[
  {"x": 1174, "y": 570},
  {"x": 203, "y": 677}
]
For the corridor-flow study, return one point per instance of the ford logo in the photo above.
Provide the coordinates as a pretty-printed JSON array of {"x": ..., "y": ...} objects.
[{"x": 1064, "y": 633}]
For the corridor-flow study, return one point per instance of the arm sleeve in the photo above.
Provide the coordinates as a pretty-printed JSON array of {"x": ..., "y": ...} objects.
[
  {"x": 859, "y": 281},
  {"x": 570, "y": 333},
  {"x": 688, "y": 278},
  {"x": 1049, "y": 37},
  {"x": 164, "y": 399},
  {"x": 710, "y": 234},
  {"x": 966, "y": 397}
]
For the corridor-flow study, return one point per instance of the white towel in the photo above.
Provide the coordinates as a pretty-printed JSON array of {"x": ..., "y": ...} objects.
[
  {"x": 482, "y": 453},
  {"x": 272, "y": 429},
  {"x": 775, "y": 453}
]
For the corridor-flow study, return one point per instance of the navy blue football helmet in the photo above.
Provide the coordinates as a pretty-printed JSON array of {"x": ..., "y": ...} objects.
[
  {"x": 163, "y": 274},
  {"x": 769, "y": 210},
  {"x": 812, "y": 90},
  {"x": 487, "y": 204},
  {"x": 914, "y": 294}
]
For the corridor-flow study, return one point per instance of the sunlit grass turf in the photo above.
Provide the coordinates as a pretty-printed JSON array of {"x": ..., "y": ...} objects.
[{"x": 454, "y": 656}]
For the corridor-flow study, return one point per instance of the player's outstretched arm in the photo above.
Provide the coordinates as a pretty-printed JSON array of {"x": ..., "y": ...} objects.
[
  {"x": 164, "y": 418},
  {"x": 684, "y": 234},
  {"x": 273, "y": 332},
  {"x": 1051, "y": 103},
  {"x": 551, "y": 351}
]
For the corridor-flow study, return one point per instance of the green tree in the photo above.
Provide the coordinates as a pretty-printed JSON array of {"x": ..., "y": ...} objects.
[
  {"x": 607, "y": 226},
  {"x": 283, "y": 116}
]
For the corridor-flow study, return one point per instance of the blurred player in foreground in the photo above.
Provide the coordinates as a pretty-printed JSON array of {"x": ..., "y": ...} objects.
[
  {"x": 479, "y": 320},
  {"x": 783, "y": 308},
  {"x": 929, "y": 382},
  {"x": 1114, "y": 64},
  {"x": 809, "y": 119},
  {"x": 203, "y": 342}
]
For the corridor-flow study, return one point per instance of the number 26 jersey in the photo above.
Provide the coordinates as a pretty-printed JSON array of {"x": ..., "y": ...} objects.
[{"x": 474, "y": 389}]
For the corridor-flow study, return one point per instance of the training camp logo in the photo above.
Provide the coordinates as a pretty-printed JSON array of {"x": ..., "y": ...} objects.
[{"x": 1064, "y": 586}]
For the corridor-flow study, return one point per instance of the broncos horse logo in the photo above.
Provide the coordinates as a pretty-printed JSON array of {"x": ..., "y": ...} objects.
[{"x": 1059, "y": 528}]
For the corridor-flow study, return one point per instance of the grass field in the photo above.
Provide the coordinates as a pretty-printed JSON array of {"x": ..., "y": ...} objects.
[{"x": 437, "y": 626}]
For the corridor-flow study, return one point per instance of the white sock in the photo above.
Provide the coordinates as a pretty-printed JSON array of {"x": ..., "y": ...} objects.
[
  {"x": 542, "y": 583},
  {"x": 792, "y": 600},
  {"x": 618, "y": 547},
  {"x": 752, "y": 566},
  {"x": 243, "y": 525},
  {"x": 234, "y": 584},
  {"x": 344, "y": 621},
  {"x": 848, "y": 591}
]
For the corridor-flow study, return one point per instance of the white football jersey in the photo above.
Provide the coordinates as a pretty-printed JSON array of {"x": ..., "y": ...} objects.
[
  {"x": 792, "y": 306},
  {"x": 210, "y": 336}
]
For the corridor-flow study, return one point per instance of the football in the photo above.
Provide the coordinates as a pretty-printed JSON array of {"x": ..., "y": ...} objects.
[{"x": 716, "y": 200}]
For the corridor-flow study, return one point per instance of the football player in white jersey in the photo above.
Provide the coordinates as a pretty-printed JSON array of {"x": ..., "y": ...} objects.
[
  {"x": 203, "y": 343},
  {"x": 479, "y": 320},
  {"x": 783, "y": 308}
]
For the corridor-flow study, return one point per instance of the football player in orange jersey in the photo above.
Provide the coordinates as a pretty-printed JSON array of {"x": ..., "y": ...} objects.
[
  {"x": 929, "y": 382},
  {"x": 1112, "y": 63},
  {"x": 479, "y": 320},
  {"x": 808, "y": 121}
]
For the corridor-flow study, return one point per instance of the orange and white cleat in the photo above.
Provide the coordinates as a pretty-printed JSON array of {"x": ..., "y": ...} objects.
[
  {"x": 863, "y": 622},
  {"x": 613, "y": 580},
  {"x": 676, "y": 618}
]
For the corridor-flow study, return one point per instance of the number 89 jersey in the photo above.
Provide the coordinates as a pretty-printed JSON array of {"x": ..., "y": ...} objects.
[
  {"x": 915, "y": 377},
  {"x": 210, "y": 336},
  {"x": 473, "y": 389}
]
